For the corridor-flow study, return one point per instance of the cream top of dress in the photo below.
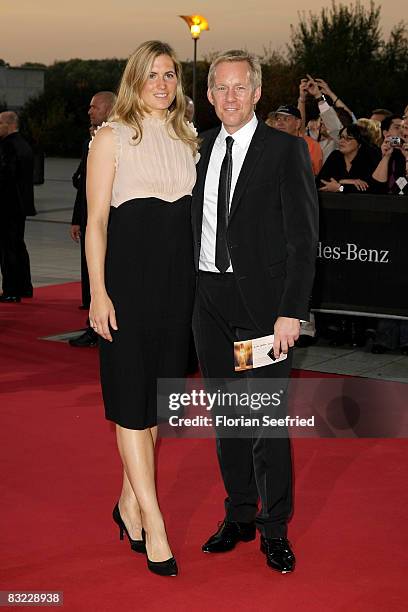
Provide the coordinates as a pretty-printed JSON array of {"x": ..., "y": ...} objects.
[{"x": 159, "y": 166}]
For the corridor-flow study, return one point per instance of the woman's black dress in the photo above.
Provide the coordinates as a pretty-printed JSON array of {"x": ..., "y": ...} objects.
[{"x": 150, "y": 280}]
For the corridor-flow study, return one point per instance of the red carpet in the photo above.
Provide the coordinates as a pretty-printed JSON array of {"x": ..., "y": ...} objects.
[{"x": 61, "y": 478}]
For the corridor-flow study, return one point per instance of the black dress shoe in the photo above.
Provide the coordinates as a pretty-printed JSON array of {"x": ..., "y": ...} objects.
[
  {"x": 88, "y": 339},
  {"x": 228, "y": 535},
  {"x": 279, "y": 555},
  {"x": 9, "y": 299}
]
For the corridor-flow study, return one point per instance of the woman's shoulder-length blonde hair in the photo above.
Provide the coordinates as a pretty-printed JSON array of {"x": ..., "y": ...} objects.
[
  {"x": 129, "y": 107},
  {"x": 371, "y": 130}
]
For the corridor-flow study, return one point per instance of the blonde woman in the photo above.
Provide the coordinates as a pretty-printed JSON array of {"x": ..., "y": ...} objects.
[
  {"x": 371, "y": 131},
  {"x": 141, "y": 171}
]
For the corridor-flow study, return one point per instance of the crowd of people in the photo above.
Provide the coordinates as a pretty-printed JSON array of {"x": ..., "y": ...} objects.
[{"x": 365, "y": 155}]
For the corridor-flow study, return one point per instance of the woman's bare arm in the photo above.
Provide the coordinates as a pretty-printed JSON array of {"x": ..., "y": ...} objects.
[{"x": 99, "y": 182}]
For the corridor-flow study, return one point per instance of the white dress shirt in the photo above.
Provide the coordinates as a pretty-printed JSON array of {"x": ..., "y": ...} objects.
[{"x": 242, "y": 140}]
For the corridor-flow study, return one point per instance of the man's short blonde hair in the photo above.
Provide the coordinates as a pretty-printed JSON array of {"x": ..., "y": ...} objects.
[{"x": 255, "y": 70}]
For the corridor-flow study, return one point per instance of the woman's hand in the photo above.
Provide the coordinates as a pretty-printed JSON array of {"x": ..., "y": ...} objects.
[
  {"x": 358, "y": 183},
  {"x": 386, "y": 148},
  {"x": 101, "y": 314},
  {"x": 331, "y": 185}
]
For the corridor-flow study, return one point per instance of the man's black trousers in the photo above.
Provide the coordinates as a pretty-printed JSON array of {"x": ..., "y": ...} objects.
[
  {"x": 255, "y": 467},
  {"x": 14, "y": 259}
]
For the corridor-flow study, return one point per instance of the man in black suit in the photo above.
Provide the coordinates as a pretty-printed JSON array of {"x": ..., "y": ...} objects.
[
  {"x": 16, "y": 202},
  {"x": 254, "y": 214},
  {"x": 99, "y": 110}
]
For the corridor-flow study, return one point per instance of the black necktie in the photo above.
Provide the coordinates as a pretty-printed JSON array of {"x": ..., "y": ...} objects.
[{"x": 222, "y": 259}]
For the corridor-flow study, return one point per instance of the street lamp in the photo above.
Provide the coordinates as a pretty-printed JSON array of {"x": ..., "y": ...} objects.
[{"x": 196, "y": 24}]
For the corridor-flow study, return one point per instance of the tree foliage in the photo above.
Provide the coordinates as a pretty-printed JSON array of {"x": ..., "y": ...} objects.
[
  {"x": 58, "y": 119},
  {"x": 342, "y": 44}
]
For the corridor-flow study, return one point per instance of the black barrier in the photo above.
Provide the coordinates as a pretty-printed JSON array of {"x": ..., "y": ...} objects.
[{"x": 362, "y": 256}]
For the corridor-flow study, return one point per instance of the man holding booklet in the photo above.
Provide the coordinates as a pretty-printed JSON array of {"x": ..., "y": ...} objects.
[{"x": 255, "y": 223}]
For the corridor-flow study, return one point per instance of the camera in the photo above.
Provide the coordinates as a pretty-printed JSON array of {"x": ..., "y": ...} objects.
[{"x": 395, "y": 141}]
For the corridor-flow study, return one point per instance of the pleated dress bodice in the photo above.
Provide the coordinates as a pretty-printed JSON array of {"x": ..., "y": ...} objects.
[{"x": 159, "y": 166}]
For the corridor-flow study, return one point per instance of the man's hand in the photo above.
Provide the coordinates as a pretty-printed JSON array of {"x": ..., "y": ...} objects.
[
  {"x": 75, "y": 232},
  {"x": 286, "y": 332}
]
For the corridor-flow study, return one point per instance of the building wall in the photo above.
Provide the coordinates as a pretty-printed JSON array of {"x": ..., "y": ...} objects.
[{"x": 18, "y": 85}]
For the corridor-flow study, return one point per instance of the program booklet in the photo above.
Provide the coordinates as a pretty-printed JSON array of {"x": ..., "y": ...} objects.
[{"x": 255, "y": 353}]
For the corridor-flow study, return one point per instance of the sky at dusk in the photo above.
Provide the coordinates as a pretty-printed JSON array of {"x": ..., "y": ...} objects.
[{"x": 49, "y": 30}]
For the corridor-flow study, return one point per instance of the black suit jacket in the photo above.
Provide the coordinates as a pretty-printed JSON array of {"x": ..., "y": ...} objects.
[
  {"x": 273, "y": 224},
  {"x": 16, "y": 176},
  {"x": 80, "y": 212}
]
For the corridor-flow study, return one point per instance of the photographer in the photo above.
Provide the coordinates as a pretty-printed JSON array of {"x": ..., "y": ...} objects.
[{"x": 394, "y": 157}]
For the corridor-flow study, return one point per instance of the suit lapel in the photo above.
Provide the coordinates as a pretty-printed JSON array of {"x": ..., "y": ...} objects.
[
  {"x": 250, "y": 162},
  {"x": 202, "y": 166},
  {"x": 198, "y": 192}
]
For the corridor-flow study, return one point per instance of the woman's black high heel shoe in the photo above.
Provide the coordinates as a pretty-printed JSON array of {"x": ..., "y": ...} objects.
[
  {"x": 136, "y": 545},
  {"x": 161, "y": 568}
]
